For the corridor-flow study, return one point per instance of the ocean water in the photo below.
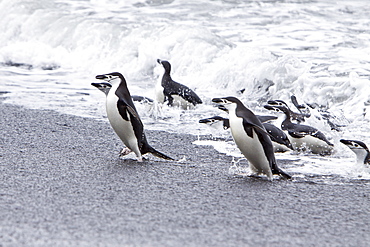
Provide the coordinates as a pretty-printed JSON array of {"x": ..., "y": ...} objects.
[{"x": 319, "y": 51}]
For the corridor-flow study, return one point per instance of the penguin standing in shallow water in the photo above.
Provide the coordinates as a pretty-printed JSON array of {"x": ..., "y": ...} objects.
[
  {"x": 360, "y": 149},
  {"x": 124, "y": 118},
  {"x": 278, "y": 138},
  {"x": 251, "y": 137},
  {"x": 303, "y": 137},
  {"x": 174, "y": 92}
]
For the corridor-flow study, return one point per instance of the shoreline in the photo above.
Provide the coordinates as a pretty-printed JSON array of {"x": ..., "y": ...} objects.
[{"x": 64, "y": 185}]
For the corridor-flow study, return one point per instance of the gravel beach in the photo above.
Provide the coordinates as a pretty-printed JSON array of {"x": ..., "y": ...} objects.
[{"x": 62, "y": 184}]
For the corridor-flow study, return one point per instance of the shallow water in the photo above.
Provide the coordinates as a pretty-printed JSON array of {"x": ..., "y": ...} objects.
[{"x": 50, "y": 52}]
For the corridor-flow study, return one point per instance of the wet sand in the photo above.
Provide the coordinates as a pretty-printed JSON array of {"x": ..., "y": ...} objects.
[{"x": 62, "y": 184}]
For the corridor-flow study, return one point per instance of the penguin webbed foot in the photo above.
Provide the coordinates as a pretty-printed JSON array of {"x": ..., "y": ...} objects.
[{"x": 124, "y": 152}]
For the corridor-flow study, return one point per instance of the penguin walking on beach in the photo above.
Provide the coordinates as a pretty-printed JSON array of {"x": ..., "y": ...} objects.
[
  {"x": 174, "y": 92},
  {"x": 303, "y": 137},
  {"x": 124, "y": 118},
  {"x": 360, "y": 149},
  {"x": 279, "y": 139},
  {"x": 251, "y": 137}
]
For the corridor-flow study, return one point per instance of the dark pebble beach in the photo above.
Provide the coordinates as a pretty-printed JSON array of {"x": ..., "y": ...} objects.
[{"x": 63, "y": 184}]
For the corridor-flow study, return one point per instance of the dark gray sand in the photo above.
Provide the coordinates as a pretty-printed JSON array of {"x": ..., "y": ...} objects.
[{"x": 62, "y": 184}]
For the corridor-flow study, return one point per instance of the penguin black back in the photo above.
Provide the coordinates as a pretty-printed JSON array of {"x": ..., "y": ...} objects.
[{"x": 172, "y": 88}]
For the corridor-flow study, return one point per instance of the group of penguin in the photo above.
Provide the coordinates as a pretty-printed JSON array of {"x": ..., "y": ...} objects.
[{"x": 257, "y": 139}]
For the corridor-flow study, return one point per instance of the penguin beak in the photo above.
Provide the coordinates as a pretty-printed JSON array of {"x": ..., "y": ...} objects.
[
  {"x": 220, "y": 101},
  {"x": 159, "y": 61},
  {"x": 217, "y": 100},
  {"x": 272, "y": 102},
  {"x": 221, "y": 107},
  {"x": 101, "y": 77},
  {"x": 206, "y": 120},
  {"x": 270, "y": 107}
]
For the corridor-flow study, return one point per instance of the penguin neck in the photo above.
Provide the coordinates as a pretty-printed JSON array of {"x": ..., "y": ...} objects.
[
  {"x": 362, "y": 156},
  {"x": 286, "y": 122},
  {"x": 166, "y": 79}
]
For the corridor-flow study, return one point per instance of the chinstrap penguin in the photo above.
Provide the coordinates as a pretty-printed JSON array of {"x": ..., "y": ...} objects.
[
  {"x": 360, "y": 149},
  {"x": 279, "y": 139},
  {"x": 251, "y": 137},
  {"x": 102, "y": 86},
  {"x": 303, "y": 137},
  {"x": 216, "y": 120},
  {"x": 174, "y": 93},
  {"x": 124, "y": 118},
  {"x": 294, "y": 116}
]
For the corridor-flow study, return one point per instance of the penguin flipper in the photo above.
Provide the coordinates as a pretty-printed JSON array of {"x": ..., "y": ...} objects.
[
  {"x": 269, "y": 152},
  {"x": 125, "y": 110},
  {"x": 322, "y": 137},
  {"x": 249, "y": 125},
  {"x": 296, "y": 134}
]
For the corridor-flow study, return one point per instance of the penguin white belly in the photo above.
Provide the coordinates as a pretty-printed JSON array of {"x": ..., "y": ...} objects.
[
  {"x": 313, "y": 144},
  {"x": 123, "y": 128},
  {"x": 159, "y": 93},
  {"x": 251, "y": 148},
  {"x": 361, "y": 155}
]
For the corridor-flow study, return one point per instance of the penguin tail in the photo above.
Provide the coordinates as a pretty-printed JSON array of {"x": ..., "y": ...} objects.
[
  {"x": 159, "y": 154},
  {"x": 283, "y": 174}
]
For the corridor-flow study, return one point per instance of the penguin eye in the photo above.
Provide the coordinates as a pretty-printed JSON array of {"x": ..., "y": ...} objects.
[{"x": 356, "y": 145}]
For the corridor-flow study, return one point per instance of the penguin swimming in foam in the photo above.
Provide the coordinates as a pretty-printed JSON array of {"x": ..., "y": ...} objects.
[
  {"x": 175, "y": 93},
  {"x": 360, "y": 149},
  {"x": 303, "y": 137},
  {"x": 124, "y": 118},
  {"x": 294, "y": 116},
  {"x": 278, "y": 138},
  {"x": 251, "y": 137}
]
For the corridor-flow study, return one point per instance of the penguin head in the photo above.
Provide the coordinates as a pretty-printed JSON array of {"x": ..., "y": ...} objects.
[
  {"x": 111, "y": 77},
  {"x": 216, "y": 120},
  {"x": 354, "y": 145},
  {"x": 277, "y": 103},
  {"x": 166, "y": 65},
  {"x": 277, "y": 108},
  {"x": 103, "y": 86},
  {"x": 227, "y": 104},
  {"x": 303, "y": 108},
  {"x": 358, "y": 147}
]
